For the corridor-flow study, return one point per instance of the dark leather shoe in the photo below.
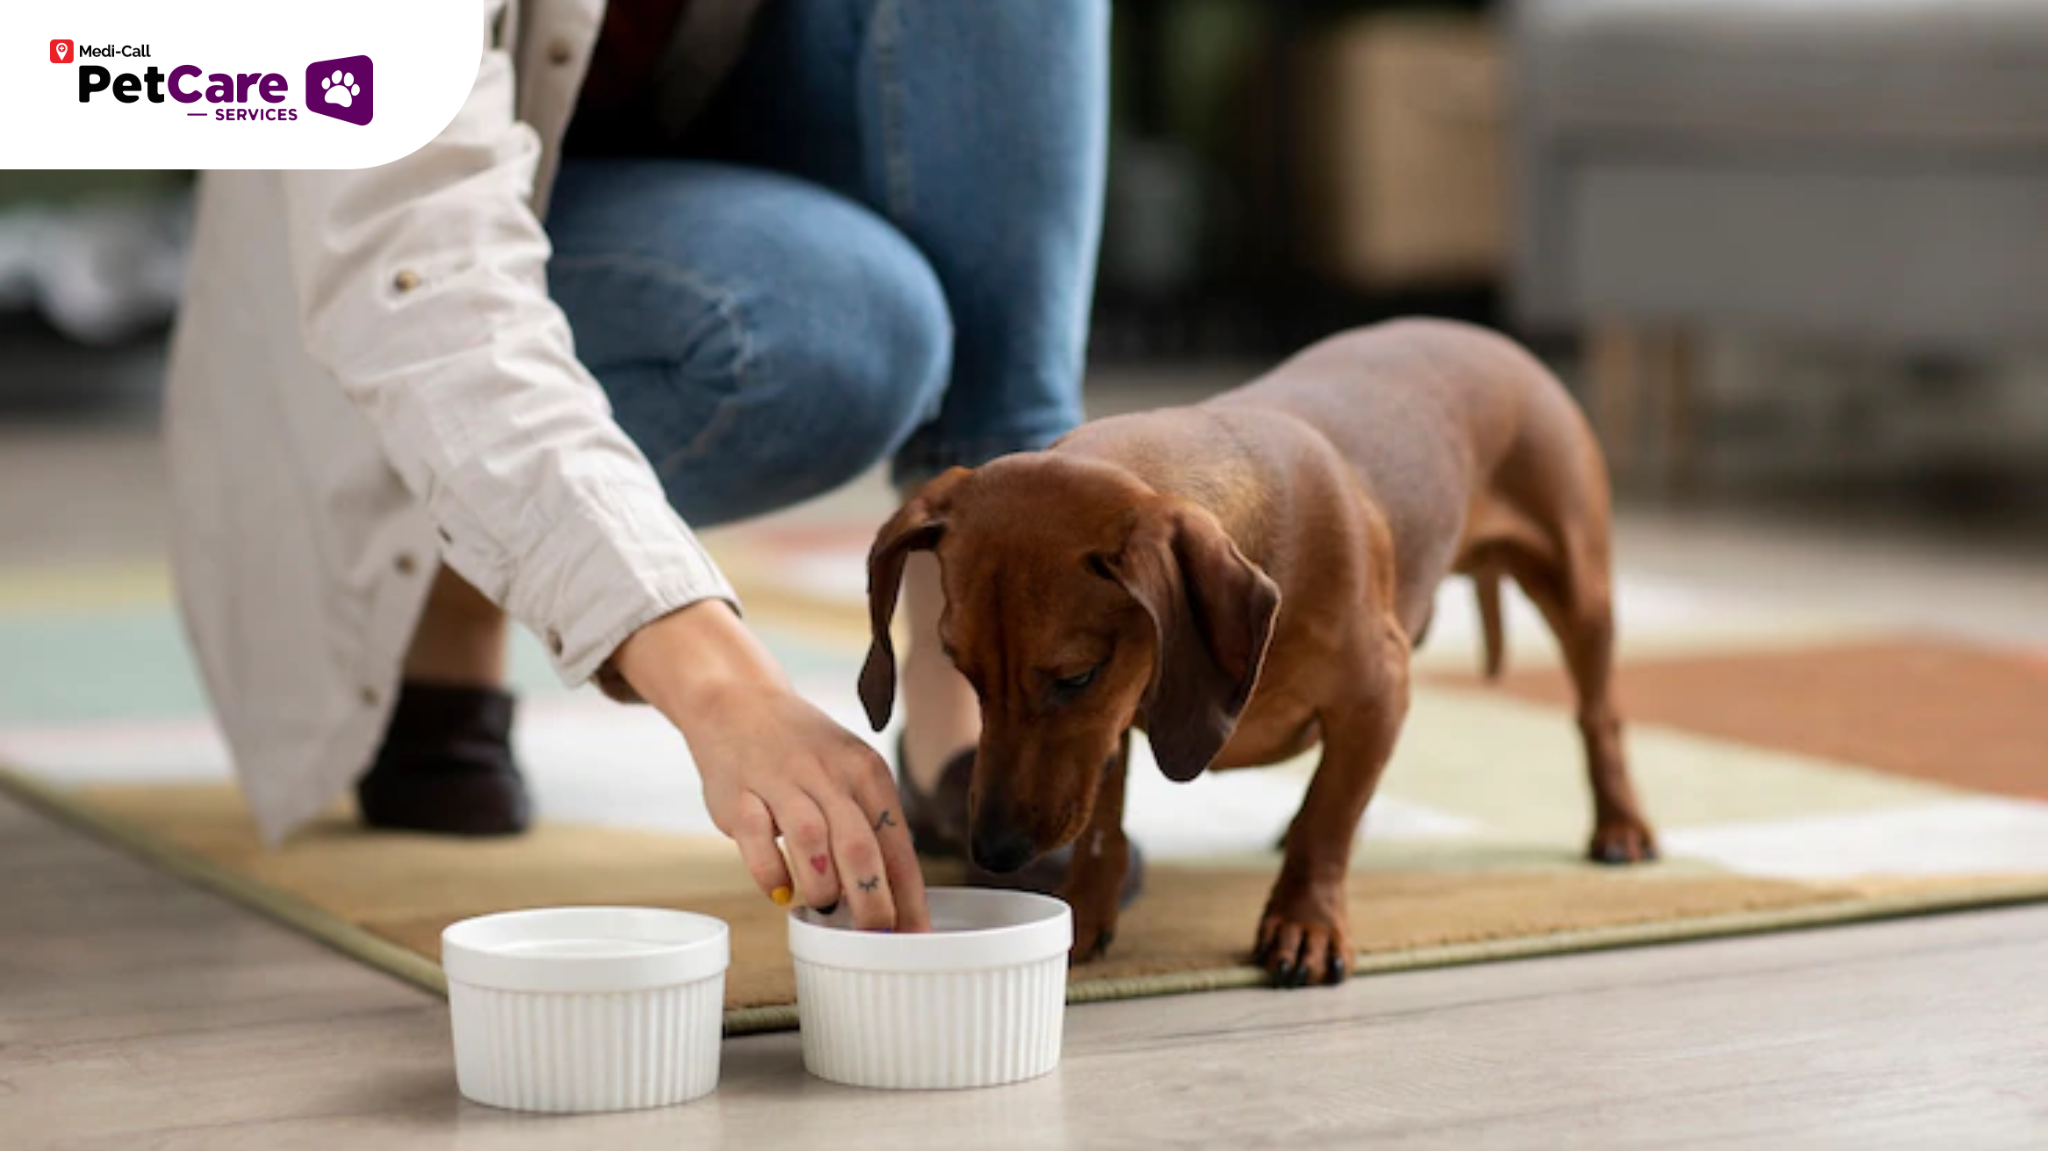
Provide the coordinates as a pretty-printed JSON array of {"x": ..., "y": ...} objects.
[
  {"x": 938, "y": 822},
  {"x": 446, "y": 765}
]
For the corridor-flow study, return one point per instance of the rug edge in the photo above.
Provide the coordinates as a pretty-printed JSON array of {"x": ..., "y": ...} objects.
[{"x": 374, "y": 951}]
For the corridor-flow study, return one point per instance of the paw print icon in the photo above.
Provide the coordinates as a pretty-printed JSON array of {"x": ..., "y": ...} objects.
[{"x": 342, "y": 89}]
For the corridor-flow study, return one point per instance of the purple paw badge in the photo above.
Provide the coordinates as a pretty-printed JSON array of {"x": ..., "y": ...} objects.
[{"x": 341, "y": 88}]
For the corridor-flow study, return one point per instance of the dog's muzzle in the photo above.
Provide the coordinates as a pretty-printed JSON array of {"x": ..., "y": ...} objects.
[{"x": 1000, "y": 848}]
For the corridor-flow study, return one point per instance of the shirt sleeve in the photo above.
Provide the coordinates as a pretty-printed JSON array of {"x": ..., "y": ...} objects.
[{"x": 422, "y": 287}]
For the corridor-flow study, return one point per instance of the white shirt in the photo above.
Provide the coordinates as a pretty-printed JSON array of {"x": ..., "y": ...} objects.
[{"x": 368, "y": 377}]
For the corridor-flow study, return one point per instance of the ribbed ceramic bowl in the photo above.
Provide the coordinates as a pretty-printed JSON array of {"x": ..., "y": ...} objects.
[
  {"x": 979, "y": 1001},
  {"x": 586, "y": 1008}
]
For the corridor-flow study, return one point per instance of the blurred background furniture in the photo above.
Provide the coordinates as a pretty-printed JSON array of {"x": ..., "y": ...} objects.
[
  {"x": 1873, "y": 171},
  {"x": 1281, "y": 169}
]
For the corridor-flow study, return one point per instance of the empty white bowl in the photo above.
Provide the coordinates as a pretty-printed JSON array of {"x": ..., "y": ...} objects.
[
  {"x": 979, "y": 1001},
  {"x": 586, "y": 1008}
]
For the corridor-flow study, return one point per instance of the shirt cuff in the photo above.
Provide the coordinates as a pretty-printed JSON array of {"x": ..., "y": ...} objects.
[{"x": 623, "y": 560}]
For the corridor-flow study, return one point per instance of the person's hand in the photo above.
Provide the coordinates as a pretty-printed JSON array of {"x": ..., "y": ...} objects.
[{"x": 774, "y": 765}]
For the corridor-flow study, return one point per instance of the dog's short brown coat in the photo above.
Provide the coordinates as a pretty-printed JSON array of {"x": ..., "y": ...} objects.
[{"x": 1243, "y": 579}]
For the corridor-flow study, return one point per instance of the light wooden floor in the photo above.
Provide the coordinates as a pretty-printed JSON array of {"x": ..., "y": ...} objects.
[{"x": 138, "y": 1013}]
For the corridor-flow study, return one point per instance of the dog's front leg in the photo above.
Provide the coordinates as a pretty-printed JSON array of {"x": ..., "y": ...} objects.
[
  {"x": 1304, "y": 936},
  {"x": 1102, "y": 855}
]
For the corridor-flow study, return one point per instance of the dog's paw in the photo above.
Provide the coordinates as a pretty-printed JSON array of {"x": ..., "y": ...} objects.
[
  {"x": 1622, "y": 841},
  {"x": 1303, "y": 950},
  {"x": 1094, "y": 927},
  {"x": 1090, "y": 943}
]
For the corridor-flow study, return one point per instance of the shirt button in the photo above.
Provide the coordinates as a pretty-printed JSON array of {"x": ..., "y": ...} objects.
[
  {"x": 554, "y": 641},
  {"x": 368, "y": 695},
  {"x": 445, "y": 537},
  {"x": 405, "y": 564},
  {"x": 559, "y": 52},
  {"x": 406, "y": 280}
]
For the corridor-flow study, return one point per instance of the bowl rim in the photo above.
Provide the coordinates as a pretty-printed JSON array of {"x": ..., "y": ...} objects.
[
  {"x": 1043, "y": 929},
  {"x": 670, "y": 947}
]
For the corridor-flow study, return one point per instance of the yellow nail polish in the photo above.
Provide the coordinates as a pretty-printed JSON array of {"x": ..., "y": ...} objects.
[{"x": 782, "y": 896}]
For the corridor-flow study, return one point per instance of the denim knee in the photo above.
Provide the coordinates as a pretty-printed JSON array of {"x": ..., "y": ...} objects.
[{"x": 835, "y": 354}]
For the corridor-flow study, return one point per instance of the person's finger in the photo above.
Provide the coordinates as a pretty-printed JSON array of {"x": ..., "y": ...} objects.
[
  {"x": 859, "y": 860},
  {"x": 808, "y": 839},
  {"x": 753, "y": 829},
  {"x": 875, "y": 790}
]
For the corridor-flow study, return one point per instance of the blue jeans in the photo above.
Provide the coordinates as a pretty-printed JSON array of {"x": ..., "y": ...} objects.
[{"x": 878, "y": 242}]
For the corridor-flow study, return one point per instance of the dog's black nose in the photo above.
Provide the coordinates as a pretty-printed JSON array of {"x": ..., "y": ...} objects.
[{"x": 1002, "y": 849}]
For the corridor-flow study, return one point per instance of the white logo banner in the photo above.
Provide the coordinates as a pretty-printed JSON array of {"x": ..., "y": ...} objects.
[{"x": 231, "y": 83}]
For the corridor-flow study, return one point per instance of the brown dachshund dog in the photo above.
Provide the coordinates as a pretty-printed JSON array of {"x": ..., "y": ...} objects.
[{"x": 1243, "y": 579}]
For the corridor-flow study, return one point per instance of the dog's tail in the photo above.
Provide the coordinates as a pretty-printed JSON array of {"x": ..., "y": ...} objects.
[{"x": 1486, "y": 582}]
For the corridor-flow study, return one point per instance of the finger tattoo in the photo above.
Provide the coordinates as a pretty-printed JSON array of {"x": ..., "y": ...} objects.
[
  {"x": 870, "y": 883},
  {"x": 884, "y": 820}
]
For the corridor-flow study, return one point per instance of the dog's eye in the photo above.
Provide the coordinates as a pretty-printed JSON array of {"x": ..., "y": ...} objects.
[{"x": 1070, "y": 684}]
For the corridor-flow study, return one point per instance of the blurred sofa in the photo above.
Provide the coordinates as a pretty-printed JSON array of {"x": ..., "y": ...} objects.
[{"x": 1869, "y": 169}]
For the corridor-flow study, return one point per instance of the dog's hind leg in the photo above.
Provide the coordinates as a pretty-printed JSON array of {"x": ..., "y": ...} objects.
[{"x": 1574, "y": 594}]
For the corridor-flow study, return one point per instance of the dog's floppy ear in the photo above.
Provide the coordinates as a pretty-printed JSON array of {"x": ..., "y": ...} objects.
[
  {"x": 1213, "y": 610},
  {"x": 916, "y": 526}
]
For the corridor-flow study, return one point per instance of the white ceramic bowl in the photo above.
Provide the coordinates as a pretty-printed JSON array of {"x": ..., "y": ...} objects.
[
  {"x": 979, "y": 1001},
  {"x": 586, "y": 1008}
]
